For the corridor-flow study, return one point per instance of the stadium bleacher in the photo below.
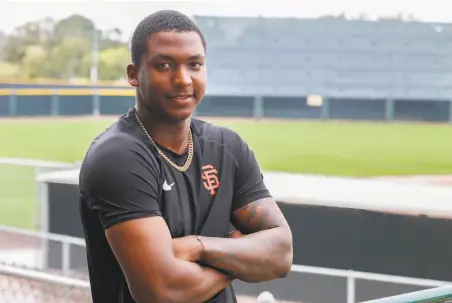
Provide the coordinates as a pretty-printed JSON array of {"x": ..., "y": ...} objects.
[{"x": 330, "y": 56}]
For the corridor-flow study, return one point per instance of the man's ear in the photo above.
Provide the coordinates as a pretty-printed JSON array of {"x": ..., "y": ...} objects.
[{"x": 132, "y": 75}]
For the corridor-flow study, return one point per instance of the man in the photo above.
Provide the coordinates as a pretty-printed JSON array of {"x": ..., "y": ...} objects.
[{"x": 159, "y": 189}]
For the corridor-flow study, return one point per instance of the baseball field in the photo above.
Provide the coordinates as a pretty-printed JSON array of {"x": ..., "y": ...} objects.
[{"x": 333, "y": 148}]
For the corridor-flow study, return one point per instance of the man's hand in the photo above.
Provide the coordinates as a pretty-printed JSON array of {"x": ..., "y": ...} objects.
[
  {"x": 187, "y": 248},
  {"x": 235, "y": 234},
  {"x": 262, "y": 253}
]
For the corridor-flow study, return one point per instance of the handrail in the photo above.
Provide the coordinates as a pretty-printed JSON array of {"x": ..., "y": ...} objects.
[
  {"x": 350, "y": 275},
  {"x": 295, "y": 268},
  {"x": 368, "y": 276},
  {"x": 44, "y": 235},
  {"x": 35, "y": 163},
  {"x": 438, "y": 295}
]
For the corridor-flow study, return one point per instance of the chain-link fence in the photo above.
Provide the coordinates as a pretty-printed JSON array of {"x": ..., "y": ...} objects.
[{"x": 20, "y": 285}]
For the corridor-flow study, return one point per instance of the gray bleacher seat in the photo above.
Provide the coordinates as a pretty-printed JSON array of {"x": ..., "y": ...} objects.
[{"x": 385, "y": 58}]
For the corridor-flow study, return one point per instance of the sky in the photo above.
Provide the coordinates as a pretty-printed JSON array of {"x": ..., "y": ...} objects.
[{"x": 126, "y": 14}]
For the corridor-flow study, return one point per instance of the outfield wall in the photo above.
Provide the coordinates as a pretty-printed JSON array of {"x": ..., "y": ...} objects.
[{"x": 67, "y": 101}]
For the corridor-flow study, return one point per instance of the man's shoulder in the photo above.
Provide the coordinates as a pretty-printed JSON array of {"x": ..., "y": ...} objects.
[
  {"x": 113, "y": 140},
  {"x": 116, "y": 147},
  {"x": 220, "y": 134}
]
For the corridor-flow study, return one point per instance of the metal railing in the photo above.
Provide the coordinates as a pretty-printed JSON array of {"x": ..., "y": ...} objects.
[
  {"x": 39, "y": 247},
  {"x": 435, "y": 295},
  {"x": 350, "y": 275},
  {"x": 36, "y": 163}
]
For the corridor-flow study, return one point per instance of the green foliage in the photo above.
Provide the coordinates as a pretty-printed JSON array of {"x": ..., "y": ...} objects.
[
  {"x": 67, "y": 58},
  {"x": 35, "y": 62},
  {"x": 9, "y": 71},
  {"x": 112, "y": 63},
  {"x": 47, "y": 48}
]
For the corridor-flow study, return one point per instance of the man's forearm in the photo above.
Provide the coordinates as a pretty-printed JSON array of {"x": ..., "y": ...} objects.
[
  {"x": 188, "y": 283},
  {"x": 198, "y": 284},
  {"x": 261, "y": 256}
]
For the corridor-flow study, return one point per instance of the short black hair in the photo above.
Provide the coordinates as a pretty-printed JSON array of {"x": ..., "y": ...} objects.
[{"x": 160, "y": 21}]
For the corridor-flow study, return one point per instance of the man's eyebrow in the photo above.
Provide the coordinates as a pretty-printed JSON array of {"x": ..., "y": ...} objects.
[
  {"x": 163, "y": 56},
  {"x": 197, "y": 57},
  {"x": 168, "y": 57}
]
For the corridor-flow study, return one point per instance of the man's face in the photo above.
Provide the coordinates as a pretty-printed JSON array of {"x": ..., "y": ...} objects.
[{"x": 172, "y": 75}]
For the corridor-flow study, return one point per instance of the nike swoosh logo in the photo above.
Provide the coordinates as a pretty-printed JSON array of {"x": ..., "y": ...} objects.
[{"x": 166, "y": 186}]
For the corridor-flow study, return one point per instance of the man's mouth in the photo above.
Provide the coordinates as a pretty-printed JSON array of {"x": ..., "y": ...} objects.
[{"x": 182, "y": 97}]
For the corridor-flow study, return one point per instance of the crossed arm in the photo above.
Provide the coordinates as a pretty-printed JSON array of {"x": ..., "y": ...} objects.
[
  {"x": 160, "y": 269},
  {"x": 144, "y": 250},
  {"x": 263, "y": 253}
]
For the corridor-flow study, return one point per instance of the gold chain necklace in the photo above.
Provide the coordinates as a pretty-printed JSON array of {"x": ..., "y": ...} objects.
[{"x": 190, "y": 149}]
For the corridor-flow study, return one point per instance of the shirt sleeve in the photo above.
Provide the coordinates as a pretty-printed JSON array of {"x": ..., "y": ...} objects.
[
  {"x": 122, "y": 183},
  {"x": 249, "y": 183}
]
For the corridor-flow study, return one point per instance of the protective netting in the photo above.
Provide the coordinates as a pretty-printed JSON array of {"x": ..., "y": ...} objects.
[{"x": 15, "y": 290}]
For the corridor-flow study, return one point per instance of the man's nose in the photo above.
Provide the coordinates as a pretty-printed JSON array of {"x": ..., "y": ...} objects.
[{"x": 182, "y": 77}]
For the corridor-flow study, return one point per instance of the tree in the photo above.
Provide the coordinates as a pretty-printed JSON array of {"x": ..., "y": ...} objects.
[
  {"x": 75, "y": 26},
  {"x": 3, "y": 41},
  {"x": 81, "y": 27},
  {"x": 35, "y": 62},
  {"x": 67, "y": 58},
  {"x": 112, "y": 63},
  {"x": 9, "y": 71},
  {"x": 111, "y": 38},
  {"x": 31, "y": 33},
  {"x": 60, "y": 49}
]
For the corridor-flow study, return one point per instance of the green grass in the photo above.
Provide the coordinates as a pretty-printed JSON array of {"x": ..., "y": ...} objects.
[
  {"x": 333, "y": 148},
  {"x": 350, "y": 149},
  {"x": 52, "y": 140}
]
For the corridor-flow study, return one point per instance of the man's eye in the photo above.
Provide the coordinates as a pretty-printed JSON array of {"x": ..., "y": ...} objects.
[
  {"x": 163, "y": 65},
  {"x": 196, "y": 64}
]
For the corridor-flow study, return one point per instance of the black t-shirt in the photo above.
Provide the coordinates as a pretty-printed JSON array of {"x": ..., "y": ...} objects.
[{"x": 123, "y": 178}]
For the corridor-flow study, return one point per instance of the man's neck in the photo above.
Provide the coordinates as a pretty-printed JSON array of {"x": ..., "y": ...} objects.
[{"x": 173, "y": 136}]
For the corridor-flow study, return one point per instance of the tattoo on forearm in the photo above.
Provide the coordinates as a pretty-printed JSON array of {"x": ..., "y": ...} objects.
[
  {"x": 249, "y": 262},
  {"x": 259, "y": 215}
]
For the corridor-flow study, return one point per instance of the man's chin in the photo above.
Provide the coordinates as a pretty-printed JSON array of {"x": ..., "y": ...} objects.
[{"x": 179, "y": 116}]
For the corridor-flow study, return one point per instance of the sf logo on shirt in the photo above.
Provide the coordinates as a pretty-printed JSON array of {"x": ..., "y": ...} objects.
[{"x": 211, "y": 182}]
